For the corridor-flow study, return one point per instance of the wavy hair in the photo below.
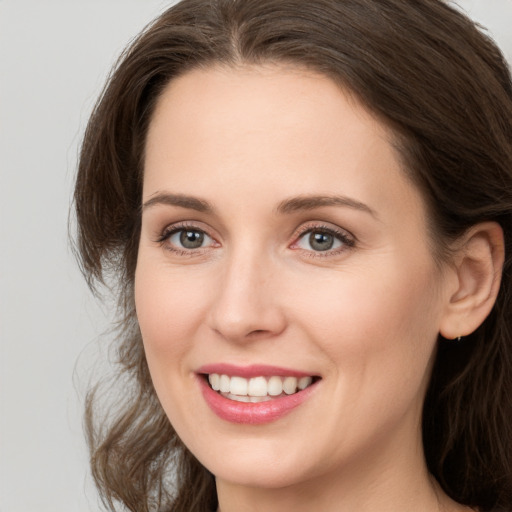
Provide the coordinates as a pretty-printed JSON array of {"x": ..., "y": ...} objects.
[{"x": 444, "y": 89}]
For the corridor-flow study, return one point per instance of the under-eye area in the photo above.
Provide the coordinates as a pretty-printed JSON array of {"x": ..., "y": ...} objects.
[{"x": 258, "y": 389}]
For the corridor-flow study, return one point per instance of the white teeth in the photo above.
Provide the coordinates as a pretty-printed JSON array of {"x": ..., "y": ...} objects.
[
  {"x": 239, "y": 398},
  {"x": 253, "y": 399},
  {"x": 214, "y": 379},
  {"x": 238, "y": 386},
  {"x": 304, "y": 382},
  {"x": 257, "y": 399},
  {"x": 257, "y": 386},
  {"x": 257, "y": 389},
  {"x": 290, "y": 385},
  {"x": 224, "y": 383},
  {"x": 275, "y": 386}
]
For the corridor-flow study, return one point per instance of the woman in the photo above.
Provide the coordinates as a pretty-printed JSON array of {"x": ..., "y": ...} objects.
[{"x": 306, "y": 209}]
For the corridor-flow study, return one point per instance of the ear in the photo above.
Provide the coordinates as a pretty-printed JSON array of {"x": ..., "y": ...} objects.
[{"x": 477, "y": 267}]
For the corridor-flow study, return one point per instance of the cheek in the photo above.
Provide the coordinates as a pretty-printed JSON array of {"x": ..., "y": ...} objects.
[
  {"x": 378, "y": 323},
  {"x": 169, "y": 314},
  {"x": 378, "y": 334},
  {"x": 168, "y": 307}
]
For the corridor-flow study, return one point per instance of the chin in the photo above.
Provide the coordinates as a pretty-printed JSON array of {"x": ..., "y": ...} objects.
[
  {"x": 259, "y": 462},
  {"x": 271, "y": 475}
]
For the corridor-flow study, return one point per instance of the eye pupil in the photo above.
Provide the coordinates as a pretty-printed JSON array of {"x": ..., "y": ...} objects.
[
  {"x": 321, "y": 241},
  {"x": 191, "y": 239}
]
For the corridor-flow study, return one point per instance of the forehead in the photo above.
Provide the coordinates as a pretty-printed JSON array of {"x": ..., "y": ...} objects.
[
  {"x": 262, "y": 100},
  {"x": 274, "y": 132}
]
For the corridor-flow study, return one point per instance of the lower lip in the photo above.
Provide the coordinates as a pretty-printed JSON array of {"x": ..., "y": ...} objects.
[{"x": 252, "y": 413}]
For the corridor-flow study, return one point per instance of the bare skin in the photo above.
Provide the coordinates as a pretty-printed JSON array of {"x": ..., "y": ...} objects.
[{"x": 231, "y": 155}]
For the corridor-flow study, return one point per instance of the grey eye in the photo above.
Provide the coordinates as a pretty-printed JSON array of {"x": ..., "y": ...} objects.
[
  {"x": 319, "y": 241},
  {"x": 189, "y": 239}
]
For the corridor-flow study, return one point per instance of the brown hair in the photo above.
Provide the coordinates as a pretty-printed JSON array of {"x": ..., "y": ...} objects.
[{"x": 445, "y": 90}]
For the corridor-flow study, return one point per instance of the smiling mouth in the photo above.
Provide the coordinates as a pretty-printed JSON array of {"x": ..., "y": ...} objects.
[{"x": 257, "y": 389}]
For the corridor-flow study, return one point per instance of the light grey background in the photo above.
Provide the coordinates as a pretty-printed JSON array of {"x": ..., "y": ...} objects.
[{"x": 54, "y": 56}]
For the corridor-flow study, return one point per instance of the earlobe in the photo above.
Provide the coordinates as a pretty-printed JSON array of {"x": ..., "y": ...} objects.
[{"x": 478, "y": 265}]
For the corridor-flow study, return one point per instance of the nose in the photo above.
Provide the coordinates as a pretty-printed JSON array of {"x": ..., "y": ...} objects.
[{"x": 246, "y": 306}]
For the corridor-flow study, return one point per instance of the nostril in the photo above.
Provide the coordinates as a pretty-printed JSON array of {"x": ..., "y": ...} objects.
[{"x": 256, "y": 332}]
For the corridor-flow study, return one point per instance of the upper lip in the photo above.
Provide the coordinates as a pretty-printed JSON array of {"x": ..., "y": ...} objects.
[{"x": 253, "y": 370}]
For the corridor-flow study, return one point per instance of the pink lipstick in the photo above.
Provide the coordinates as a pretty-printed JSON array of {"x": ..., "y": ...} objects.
[
  {"x": 257, "y": 394},
  {"x": 255, "y": 370}
]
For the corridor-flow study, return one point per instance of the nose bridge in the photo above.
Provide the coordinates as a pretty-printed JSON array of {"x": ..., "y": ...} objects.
[{"x": 246, "y": 303}]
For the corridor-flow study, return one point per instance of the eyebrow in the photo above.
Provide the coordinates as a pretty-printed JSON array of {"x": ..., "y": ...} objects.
[
  {"x": 291, "y": 205},
  {"x": 181, "y": 200},
  {"x": 302, "y": 203}
]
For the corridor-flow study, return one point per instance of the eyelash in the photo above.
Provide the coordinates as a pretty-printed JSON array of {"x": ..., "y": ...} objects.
[
  {"x": 177, "y": 228},
  {"x": 347, "y": 240}
]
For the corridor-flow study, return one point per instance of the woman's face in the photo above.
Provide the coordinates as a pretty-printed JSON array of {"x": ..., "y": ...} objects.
[{"x": 283, "y": 247}]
